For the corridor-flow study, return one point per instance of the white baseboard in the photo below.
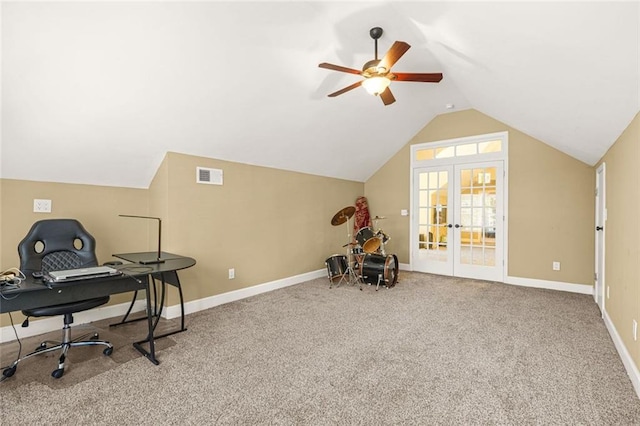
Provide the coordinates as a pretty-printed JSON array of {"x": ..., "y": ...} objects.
[
  {"x": 49, "y": 324},
  {"x": 232, "y": 296},
  {"x": 550, "y": 285},
  {"x": 629, "y": 365},
  {"x": 404, "y": 267},
  {"x": 46, "y": 325}
]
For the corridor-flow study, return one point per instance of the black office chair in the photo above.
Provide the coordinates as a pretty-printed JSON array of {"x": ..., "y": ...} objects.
[{"x": 54, "y": 245}]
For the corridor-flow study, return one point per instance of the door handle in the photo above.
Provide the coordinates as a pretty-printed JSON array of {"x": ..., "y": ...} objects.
[
  {"x": 458, "y": 226},
  {"x": 449, "y": 226},
  {"x": 599, "y": 228}
]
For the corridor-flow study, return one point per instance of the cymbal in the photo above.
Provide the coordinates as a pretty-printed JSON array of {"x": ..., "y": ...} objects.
[
  {"x": 343, "y": 215},
  {"x": 379, "y": 218}
]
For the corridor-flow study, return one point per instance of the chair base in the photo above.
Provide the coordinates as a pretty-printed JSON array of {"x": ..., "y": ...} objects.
[{"x": 62, "y": 346}]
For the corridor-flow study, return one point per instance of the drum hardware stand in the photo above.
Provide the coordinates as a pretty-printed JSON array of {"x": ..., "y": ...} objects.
[
  {"x": 350, "y": 273},
  {"x": 344, "y": 216},
  {"x": 381, "y": 237},
  {"x": 380, "y": 279}
]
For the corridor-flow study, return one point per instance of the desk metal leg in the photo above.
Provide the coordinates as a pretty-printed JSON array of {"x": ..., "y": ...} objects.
[
  {"x": 151, "y": 353},
  {"x": 164, "y": 288},
  {"x": 133, "y": 301},
  {"x": 154, "y": 314}
]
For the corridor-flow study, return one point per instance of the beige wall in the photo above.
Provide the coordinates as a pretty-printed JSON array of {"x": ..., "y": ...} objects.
[
  {"x": 268, "y": 224},
  {"x": 622, "y": 237},
  {"x": 96, "y": 207},
  {"x": 551, "y": 202}
]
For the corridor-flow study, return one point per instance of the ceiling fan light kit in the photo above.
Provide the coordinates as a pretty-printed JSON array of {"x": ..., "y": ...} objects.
[
  {"x": 377, "y": 72},
  {"x": 376, "y": 85}
]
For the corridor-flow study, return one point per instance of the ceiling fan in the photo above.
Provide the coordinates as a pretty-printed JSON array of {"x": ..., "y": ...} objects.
[{"x": 377, "y": 72}]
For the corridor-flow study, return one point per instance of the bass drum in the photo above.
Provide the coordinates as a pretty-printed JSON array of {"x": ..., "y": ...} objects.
[
  {"x": 336, "y": 266},
  {"x": 375, "y": 266}
]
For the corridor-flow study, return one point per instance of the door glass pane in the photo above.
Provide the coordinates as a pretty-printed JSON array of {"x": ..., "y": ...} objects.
[
  {"x": 445, "y": 152},
  {"x": 432, "y": 222},
  {"x": 465, "y": 216},
  {"x": 433, "y": 180},
  {"x": 465, "y": 178},
  {"x": 443, "y": 180},
  {"x": 478, "y": 216},
  {"x": 467, "y": 149},
  {"x": 424, "y": 154},
  {"x": 491, "y": 146}
]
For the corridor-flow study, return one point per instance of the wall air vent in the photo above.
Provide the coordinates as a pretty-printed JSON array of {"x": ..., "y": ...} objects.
[{"x": 208, "y": 176}]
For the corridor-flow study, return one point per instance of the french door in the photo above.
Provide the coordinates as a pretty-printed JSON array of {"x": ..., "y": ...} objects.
[{"x": 458, "y": 220}]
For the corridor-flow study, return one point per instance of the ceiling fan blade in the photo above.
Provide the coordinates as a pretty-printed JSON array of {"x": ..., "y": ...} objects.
[
  {"x": 423, "y": 77},
  {"x": 346, "y": 89},
  {"x": 338, "y": 68},
  {"x": 398, "y": 49},
  {"x": 387, "y": 97}
]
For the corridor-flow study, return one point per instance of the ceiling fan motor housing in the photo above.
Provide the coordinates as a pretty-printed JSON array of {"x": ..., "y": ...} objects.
[{"x": 371, "y": 68}]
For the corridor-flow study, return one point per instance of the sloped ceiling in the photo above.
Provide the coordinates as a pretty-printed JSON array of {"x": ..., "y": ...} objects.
[{"x": 98, "y": 92}]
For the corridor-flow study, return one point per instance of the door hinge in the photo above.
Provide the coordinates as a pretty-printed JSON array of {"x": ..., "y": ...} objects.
[
  {"x": 596, "y": 191},
  {"x": 595, "y": 276}
]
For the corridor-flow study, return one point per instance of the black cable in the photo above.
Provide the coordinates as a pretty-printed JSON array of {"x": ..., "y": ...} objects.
[{"x": 3, "y": 377}]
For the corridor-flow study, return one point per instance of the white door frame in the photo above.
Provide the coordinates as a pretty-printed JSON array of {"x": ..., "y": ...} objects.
[
  {"x": 451, "y": 144},
  {"x": 599, "y": 293}
]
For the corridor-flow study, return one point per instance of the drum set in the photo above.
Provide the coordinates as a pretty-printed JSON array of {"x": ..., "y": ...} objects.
[{"x": 366, "y": 260}]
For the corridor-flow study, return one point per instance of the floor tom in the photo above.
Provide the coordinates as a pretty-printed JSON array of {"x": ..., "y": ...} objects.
[{"x": 337, "y": 266}]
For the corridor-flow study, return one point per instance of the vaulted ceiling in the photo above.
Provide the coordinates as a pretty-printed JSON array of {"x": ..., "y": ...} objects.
[{"x": 98, "y": 92}]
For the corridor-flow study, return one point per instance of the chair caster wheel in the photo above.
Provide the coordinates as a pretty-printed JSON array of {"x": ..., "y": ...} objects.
[
  {"x": 95, "y": 336},
  {"x": 57, "y": 373},
  {"x": 41, "y": 347},
  {"x": 108, "y": 351},
  {"x": 8, "y": 372}
]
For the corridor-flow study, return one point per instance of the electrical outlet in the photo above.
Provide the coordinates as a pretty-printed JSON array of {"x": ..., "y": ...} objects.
[
  {"x": 232, "y": 273},
  {"x": 42, "y": 206},
  {"x": 635, "y": 330},
  {"x": 556, "y": 266}
]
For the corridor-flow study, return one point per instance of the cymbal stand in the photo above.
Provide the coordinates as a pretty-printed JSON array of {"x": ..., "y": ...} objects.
[
  {"x": 376, "y": 229},
  {"x": 350, "y": 275}
]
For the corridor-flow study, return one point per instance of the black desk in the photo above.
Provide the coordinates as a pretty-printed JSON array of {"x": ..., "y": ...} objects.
[
  {"x": 162, "y": 274},
  {"x": 34, "y": 293}
]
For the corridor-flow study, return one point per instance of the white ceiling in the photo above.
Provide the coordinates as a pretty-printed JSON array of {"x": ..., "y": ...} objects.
[{"x": 98, "y": 92}]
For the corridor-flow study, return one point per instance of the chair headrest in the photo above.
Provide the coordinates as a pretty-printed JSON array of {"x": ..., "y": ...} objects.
[{"x": 56, "y": 236}]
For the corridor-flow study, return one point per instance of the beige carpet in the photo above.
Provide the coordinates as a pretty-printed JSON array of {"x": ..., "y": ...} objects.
[{"x": 432, "y": 350}]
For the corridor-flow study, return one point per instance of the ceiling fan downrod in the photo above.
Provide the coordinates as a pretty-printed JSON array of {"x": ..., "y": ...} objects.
[
  {"x": 375, "y": 33},
  {"x": 371, "y": 67}
]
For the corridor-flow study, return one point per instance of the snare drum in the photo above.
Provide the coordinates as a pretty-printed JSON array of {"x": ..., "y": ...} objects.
[
  {"x": 376, "y": 268},
  {"x": 368, "y": 240},
  {"x": 336, "y": 266}
]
